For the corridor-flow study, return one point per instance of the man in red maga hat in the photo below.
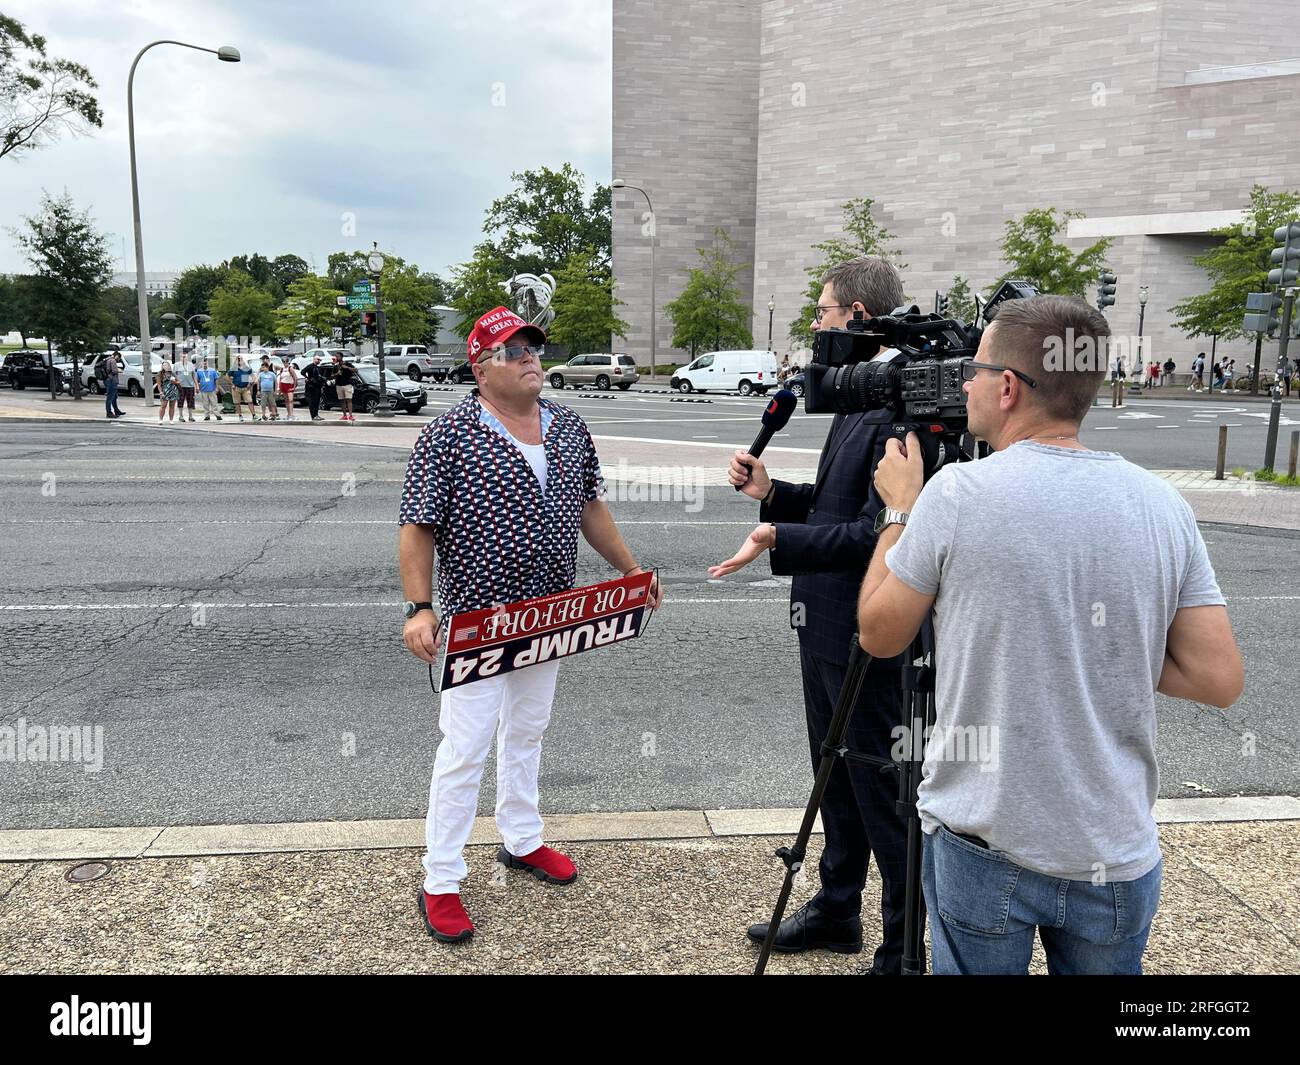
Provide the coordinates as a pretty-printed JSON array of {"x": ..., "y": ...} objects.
[{"x": 497, "y": 489}]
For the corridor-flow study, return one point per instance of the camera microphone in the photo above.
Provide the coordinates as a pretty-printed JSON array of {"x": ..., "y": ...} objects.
[{"x": 775, "y": 416}]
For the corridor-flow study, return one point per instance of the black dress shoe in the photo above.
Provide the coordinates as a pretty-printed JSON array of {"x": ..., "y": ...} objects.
[{"x": 810, "y": 929}]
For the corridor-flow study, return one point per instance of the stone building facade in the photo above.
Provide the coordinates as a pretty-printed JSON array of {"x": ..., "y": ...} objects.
[{"x": 1153, "y": 117}]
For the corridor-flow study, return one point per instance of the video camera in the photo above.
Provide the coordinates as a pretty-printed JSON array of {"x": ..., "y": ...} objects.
[{"x": 920, "y": 381}]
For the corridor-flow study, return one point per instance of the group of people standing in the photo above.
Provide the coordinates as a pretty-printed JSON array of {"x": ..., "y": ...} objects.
[{"x": 179, "y": 382}]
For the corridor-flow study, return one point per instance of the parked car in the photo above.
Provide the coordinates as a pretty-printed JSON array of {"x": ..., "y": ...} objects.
[
  {"x": 461, "y": 373},
  {"x": 417, "y": 362},
  {"x": 600, "y": 371},
  {"x": 326, "y": 357},
  {"x": 745, "y": 372},
  {"x": 402, "y": 394},
  {"x": 27, "y": 368},
  {"x": 795, "y": 383}
]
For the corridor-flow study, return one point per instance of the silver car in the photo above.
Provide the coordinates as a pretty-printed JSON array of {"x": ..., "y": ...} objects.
[{"x": 600, "y": 371}]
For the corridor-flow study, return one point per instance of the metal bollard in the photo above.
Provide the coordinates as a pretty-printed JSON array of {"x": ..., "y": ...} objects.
[
  {"x": 1223, "y": 453},
  {"x": 1274, "y": 416},
  {"x": 1295, "y": 453}
]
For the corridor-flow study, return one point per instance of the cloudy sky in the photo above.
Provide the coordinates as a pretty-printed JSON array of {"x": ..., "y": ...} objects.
[{"x": 406, "y": 116}]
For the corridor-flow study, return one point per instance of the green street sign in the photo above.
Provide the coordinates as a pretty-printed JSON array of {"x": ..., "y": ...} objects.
[
  {"x": 360, "y": 303},
  {"x": 361, "y": 288}
]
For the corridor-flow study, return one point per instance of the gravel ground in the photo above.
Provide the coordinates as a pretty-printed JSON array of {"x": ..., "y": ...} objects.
[{"x": 1229, "y": 906}]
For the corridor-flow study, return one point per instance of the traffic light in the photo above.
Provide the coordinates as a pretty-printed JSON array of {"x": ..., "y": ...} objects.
[
  {"x": 1105, "y": 291},
  {"x": 367, "y": 323},
  {"x": 1261, "y": 316},
  {"x": 1286, "y": 255},
  {"x": 943, "y": 306}
]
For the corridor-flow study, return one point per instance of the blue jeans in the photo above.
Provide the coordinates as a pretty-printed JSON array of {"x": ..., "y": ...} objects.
[
  {"x": 110, "y": 395},
  {"x": 984, "y": 909}
]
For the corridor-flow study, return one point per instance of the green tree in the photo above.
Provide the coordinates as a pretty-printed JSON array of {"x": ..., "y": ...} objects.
[
  {"x": 863, "y": 235},
  {"x": 1030, "y": 247},
  {"x": 20, "y": 307},
  {"x": 711, "y": 313},
  {"x": 547, "y": 218},
  {"x": 961, "y": 302},
  {"x": 194, "y": 288},
  {"x": 1236, "y": 267},
  {"x": 409, "y": 300},
  {"x": 40, "y": 97},
  {"x": 123, "y": 311},
  {"x": 286, "y": 269},
  {"x": 257, "y": 266},
  {"x": 73, "y": 267},
  {"x": 240, "y": 309},
  {"x": 584, "y": 304},
  {"x": 476, "y": 287},
  {"x": 310, "y": 301}
]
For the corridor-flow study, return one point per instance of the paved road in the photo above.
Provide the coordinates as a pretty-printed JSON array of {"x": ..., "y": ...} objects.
[{"x": 226, "y": 609}]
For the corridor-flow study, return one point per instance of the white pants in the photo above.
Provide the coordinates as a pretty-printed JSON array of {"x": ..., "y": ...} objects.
[{"x": 517, "y": 707}]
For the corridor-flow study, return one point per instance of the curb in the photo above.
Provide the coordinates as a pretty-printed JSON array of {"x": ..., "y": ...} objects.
[{"x": 65, "y": 844}]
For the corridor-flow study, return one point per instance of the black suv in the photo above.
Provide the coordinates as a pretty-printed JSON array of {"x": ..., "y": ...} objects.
[{"x": 24, "y": 369}]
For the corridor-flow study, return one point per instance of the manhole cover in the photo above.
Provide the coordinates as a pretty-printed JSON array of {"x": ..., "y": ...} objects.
[{"x": 87, "y": 871}]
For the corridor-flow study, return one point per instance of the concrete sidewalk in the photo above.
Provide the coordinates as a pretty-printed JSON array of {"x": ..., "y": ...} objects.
[{"x": 1230, "y": 904}]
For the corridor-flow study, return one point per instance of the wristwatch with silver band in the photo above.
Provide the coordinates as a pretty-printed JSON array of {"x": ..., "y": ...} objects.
[{"x": 889, "y": 516}]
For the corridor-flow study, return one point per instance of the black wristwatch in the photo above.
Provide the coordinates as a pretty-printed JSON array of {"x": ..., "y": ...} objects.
[{"x": 410, "y": 609}]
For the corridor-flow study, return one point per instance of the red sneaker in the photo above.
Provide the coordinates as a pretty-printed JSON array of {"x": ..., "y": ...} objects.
[
  {"x": 444, "y": 917},
  {"x": 544, "y": 863}
]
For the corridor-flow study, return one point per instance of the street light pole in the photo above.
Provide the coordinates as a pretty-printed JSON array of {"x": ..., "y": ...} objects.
[
  {"x": 1142, "y": 314},
  {"x": 226, "y": 54},
  {"x": 618, "y": 183},
  {"x": 771, "y": 310}
]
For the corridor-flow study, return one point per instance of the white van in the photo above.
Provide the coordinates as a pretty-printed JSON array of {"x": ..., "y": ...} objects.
[{"x": 745, "y": 372}]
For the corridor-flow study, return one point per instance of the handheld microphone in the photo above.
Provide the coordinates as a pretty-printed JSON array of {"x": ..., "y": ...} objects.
[{"x": 774, "y": 418}]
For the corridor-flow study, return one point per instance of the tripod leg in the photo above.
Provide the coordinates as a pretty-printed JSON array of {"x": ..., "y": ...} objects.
[
  {"x": 918, "y": 717},
  {"x": 832, "y": 748}
]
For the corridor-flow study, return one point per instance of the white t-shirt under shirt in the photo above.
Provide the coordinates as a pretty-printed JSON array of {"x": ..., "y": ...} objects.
[
  {"x": 1058, "y": 573},
  {"x": 536, "y": 456}
]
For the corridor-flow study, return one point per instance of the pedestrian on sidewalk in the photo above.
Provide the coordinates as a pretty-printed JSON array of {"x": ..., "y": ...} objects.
[
  {"x": 1169, "y": 368},
  {"x": 288, "y": 382},
  {"x": 207, "y": 381},
  {"x": 241, "y": 388},
  {"x": 1152, "y": 375},
  {"x": 1228, "y": 372},
  {"x": 169, "y": 391},
  {"x": 1024, "y": 841},
  {"x": 1218, "y": 376},
  {"x": 345, "y": 376},
  {"x": 266, "y": 384},
  {"x": 314, "y": 374},
  {"x": 1197, "y": 383},
  {"x": 185, "y": 381},
  {"x": 503, "y": 510},
  {"x": 111, "y": 372}
]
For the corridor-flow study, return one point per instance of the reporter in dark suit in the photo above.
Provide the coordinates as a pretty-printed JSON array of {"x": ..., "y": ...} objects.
[{"x": 823, "y": 534}]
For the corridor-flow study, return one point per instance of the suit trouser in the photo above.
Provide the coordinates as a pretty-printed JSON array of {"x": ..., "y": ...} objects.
[
  {"x": 858, "y": 809},
  {"x": 517, "y": 707},
  {"x": 313, "y": 401}
]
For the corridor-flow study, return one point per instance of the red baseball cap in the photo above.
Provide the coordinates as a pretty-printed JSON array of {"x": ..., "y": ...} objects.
[{"x": 496, "y": 327}]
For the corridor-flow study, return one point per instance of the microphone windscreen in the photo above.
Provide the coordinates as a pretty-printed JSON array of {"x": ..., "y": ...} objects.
[{"x": 779, "y": 410}]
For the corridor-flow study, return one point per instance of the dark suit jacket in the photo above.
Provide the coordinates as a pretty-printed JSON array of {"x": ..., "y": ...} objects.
[{"x": 825, "y": 535}]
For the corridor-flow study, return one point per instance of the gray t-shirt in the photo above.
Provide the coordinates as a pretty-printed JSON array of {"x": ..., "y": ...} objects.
[
  {"x": 185, "y": 375},
  {"x": 1058, "y": 574}
]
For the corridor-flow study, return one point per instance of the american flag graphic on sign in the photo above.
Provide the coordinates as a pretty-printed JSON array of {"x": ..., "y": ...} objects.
[
  {"x": 636, "y": 593},
  {"x": 467, "y": 634}
]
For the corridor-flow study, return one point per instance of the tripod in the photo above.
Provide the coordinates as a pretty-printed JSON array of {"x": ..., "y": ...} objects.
[{"x": 918, "y": 716}]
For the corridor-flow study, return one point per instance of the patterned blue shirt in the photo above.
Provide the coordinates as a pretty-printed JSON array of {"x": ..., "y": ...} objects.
[{"x": 498, "y": 537}]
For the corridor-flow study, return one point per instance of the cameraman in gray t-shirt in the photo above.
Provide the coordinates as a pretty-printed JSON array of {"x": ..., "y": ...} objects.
[{"x": 1040, "y": 772}]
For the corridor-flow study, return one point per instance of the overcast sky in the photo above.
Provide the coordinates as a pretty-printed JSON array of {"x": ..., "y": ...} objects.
[{"x": 408, "y": 115}]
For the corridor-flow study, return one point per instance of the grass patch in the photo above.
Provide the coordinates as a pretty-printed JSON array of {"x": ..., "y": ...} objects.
[{"x": 1271, "y": 477}]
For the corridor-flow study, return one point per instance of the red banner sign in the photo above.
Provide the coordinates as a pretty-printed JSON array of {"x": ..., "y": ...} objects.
[{"x": 498, "y": 640}]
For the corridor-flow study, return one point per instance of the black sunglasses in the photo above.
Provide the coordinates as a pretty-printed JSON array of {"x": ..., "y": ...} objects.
[{"x": 969, "y": 367}]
